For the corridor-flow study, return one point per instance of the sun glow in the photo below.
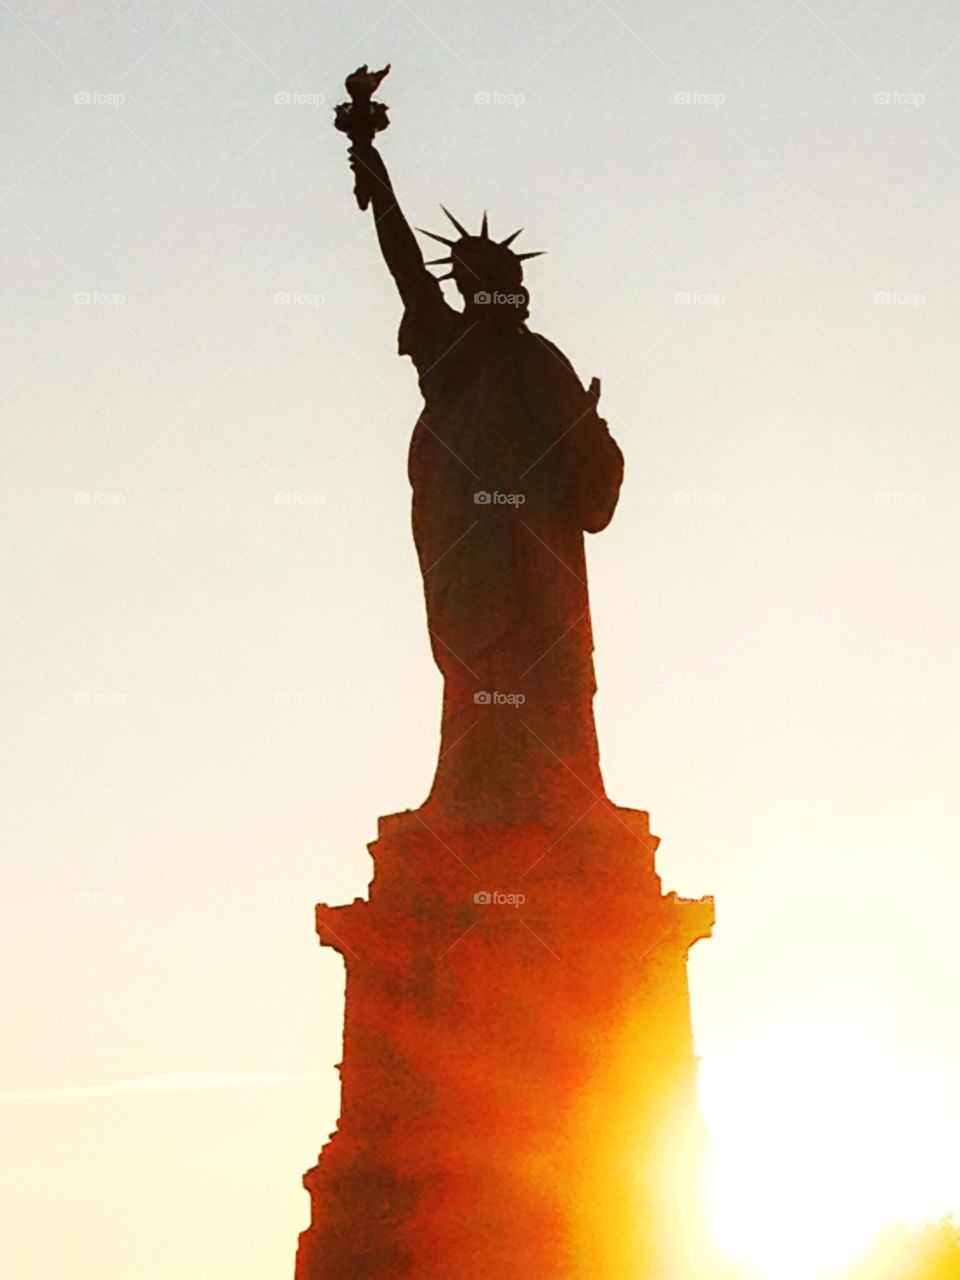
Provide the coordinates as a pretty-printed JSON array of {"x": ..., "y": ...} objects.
[{"x": 821, "y": 1134}]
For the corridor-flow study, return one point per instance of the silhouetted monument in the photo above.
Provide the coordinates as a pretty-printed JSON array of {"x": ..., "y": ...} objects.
[{"x": 518, "y": 1078}]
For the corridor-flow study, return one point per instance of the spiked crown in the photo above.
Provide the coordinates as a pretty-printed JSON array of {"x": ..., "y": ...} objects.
[{"x": 479, "y": 255}]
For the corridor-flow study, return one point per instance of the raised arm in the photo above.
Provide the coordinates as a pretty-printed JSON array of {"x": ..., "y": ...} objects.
[{"x": 397, "y": 242}]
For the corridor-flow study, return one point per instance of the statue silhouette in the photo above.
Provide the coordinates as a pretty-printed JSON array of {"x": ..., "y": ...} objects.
[
  {"x": 518, "y": 1078},
  {"x": 510, "y": 464}
]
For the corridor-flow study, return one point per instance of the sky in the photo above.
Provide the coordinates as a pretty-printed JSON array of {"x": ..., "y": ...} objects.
[{"x": 215, "y": 665}]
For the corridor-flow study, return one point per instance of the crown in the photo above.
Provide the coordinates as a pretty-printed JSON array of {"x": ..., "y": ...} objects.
[{"x": 478, "y": 251}]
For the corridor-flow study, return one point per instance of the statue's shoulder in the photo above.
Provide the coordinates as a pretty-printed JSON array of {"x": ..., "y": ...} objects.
[
  {"x": 428, "y": 321},
  {"x": 552, "y": 356}
]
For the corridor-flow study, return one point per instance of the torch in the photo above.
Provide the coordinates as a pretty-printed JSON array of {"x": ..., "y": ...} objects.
[{"x": 361, "y": 119}]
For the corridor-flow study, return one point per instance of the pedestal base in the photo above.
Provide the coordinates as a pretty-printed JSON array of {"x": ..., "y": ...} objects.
[{"x": 518, "y": 1072}]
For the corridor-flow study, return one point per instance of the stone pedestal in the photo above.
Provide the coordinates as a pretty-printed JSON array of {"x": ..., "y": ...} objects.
[{"x": 518, "y": 1076}]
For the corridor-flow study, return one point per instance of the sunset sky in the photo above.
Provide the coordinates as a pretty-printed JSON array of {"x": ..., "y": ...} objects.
[{"x": 216, "y": 670}]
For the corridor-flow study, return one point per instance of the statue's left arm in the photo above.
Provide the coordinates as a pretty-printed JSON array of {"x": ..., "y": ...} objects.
[{"x": 593, "y": 461}]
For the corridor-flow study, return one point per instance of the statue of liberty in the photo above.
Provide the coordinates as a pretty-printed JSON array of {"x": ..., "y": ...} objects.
[{"x": 510, "y": 464}]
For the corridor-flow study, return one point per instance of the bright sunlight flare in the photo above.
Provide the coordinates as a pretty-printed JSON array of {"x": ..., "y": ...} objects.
[{"x": 821, "y": 1133}]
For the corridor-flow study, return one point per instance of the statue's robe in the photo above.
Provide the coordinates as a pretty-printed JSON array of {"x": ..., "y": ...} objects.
[{"x": 510, "y": 464}]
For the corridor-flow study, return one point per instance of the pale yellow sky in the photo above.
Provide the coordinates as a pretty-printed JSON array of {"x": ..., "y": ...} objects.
[{"x": 216, "y": 670}]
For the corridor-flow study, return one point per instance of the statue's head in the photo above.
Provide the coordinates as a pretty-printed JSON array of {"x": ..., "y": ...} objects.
[{"x": 487, "y": 273}]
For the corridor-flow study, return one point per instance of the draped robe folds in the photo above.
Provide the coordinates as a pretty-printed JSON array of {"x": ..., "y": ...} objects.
[{"x": 509, "y": 463}]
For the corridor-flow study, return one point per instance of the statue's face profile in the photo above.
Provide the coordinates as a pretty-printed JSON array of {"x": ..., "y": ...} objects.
[{"x": 490, "y": 281}]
